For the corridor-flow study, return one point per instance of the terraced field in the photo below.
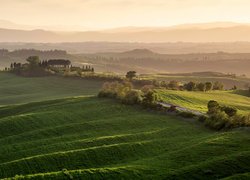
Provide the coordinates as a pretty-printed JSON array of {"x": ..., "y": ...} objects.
[
  {"x": 91, "y": 138},
  {"x": 198, "y": 100}
]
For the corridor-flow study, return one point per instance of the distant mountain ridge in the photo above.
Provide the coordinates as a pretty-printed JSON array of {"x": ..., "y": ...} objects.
[{"x": 209, "y": 32}]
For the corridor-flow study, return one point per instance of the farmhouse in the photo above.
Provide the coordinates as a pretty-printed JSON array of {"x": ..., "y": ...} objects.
[{"x": 61, "y": 63}]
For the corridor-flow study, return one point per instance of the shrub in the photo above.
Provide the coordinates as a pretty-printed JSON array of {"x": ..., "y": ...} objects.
[
  {"x": 201, "y": 87},
  {"x": 132, "y": 97},
  {"x": 147, "y": 88},
  {"x": 115, "y": 89},
  {"x": 186, "y": 114},
  {"x": 230, "y": 111},
  {"x": 217, "y": 121},
  {"x": 209, "y": 86},
  {"x": 218, "y": 86},
  {"x": 213, "y": 107},
  {"x": 172, "y": 108},
  {"x": 238, "y": 121},
  {"x": 202, "y": 118},
  {"x": 149, "y": 99},
  {"x": 174, "y": 85},
  {"x": 190, "y": 86}
]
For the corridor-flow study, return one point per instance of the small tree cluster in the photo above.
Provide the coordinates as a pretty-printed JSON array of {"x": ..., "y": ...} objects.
[
  {"x": 130, "y": 75},
  {"x": 207, "y": 86},
  {"x": 123, "y": 91},
  {"x": 190, "y": 86},
  {"x": 224, "y": 117}
]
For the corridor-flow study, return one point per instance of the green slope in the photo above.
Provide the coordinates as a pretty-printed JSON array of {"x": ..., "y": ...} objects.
[
  {"x": 198, "y": 100},
  {"x": 15, "y": 89},
  {"x": 102, "y": 139},
  {"x": 228, "y": 82}
]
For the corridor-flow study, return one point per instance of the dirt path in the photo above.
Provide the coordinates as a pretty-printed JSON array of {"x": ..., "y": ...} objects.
[{"x": 179, "y": 108}]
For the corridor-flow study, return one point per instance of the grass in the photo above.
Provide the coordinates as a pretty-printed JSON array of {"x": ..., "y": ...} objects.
[
  {"x": 15, "y": 89},
  {"x": 228, "y": 82},
  {"x": 46, "y": 134},
  {"x": 198, "y": 100},
  {"x": 91, "y": 138}
]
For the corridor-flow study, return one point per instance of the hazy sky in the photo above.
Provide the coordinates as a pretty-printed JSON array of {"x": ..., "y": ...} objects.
[{"x": 118, "y": 13}]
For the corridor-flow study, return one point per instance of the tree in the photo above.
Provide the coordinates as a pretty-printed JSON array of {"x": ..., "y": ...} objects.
[
  {"x": 201, "y": 87},
  {"x": 230, "y": 111},
  {"x": 234, "y": 87},
  {"x": 190, "y": 86},
  {"x": 213, "y": 107},
  {"x": 130, "y": 75},
  {"x": 149, "y": 99},
  {"x": 173, "y": 85},
  {"x": 163, "y": 84},
  {"x": 218, "y": 86},
  {"x": 132, "y": 97},
  {"x": 33, "y": 61},
  {"x": 208, "y": 86}
]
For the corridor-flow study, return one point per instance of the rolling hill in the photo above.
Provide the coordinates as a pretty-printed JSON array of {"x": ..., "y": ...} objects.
[
  {"x": 198, "y": 100},
  {"x": 67, "y": 138},
  {"x": 46, "y": 134},
  {"x": 147, "y": 61},
  {"x": 17, "y": 90}
]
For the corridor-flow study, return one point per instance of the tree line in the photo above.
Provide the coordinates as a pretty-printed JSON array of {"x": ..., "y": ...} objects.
[{"x": 36, "y": 67}]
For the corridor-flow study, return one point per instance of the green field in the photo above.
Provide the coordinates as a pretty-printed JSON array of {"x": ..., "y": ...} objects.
[
  {"x": 228, "y": 82},
  {"x": 46, "y": 134},
  {"x": 102, "y": 139},
  {"x": 198, "y": 100},
  {"x": 15, "y": 89}
]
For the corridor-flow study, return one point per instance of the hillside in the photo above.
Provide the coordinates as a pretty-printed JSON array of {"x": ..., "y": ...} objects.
[
  {"x": 66, "y": 138},
  {"x": 15, "y": 89},
  {"x": 228, "y": 80},
  {"x": 147, "y": 61},
  {"x": 191, "y": 33},
  {"x": 198, "y": 100},
  {"x": 164, "y": 48}
]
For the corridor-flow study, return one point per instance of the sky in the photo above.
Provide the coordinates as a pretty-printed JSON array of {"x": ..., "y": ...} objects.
[{"x": 104, "y": 14}]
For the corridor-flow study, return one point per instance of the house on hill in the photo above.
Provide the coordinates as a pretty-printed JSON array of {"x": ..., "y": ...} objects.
[{"x": 59, "y": 63}]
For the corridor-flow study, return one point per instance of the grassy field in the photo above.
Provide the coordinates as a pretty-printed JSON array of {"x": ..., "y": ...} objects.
[
  {"x": 91, "y": 138},
  {"x": 198, "y": 100},
  {"x": 47, "y": 134},
  {"x": 228, "y": 82},
  {"x": 15, "y": 89}
]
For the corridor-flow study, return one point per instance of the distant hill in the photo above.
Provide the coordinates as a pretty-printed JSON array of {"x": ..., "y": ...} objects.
[
  {"x": 163, "y": 48},
  {"x": 147, "y": 61},
  {"x": 139, "y": 52},
  {"x": 208, "y": 32}
]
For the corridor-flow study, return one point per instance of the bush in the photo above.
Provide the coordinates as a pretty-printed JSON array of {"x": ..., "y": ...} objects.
[
  {"x": 186, "y": 114},
  {"x": 217, "y": 121},
  {"x": 190, "y": 86},
  {"x": 238, "y": 121},
  {"x": 202, "y": 118},
  {"x": 230, "y": 111},
  {"x": 149, "y": 99},
  {"x": 201, "y": 87},
  {"x": 218, "y": 86},
  {"x": 172, "y": 109},
  {"x": 213, "y": 107},
  {"x": 115, "y": 89},
  {"x": 132, "y": 97}
]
